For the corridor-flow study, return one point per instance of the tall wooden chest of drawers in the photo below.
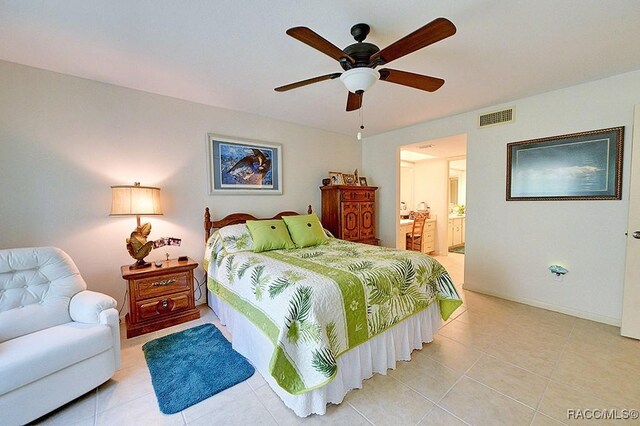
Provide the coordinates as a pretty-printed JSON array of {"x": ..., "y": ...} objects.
[{"x": 349, "y": 212}]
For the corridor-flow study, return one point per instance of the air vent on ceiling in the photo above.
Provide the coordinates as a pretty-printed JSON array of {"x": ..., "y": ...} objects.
[{"x": 496, "y": 117}]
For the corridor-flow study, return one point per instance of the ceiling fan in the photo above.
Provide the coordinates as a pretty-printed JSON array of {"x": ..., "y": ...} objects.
[{"x": 360, "y": 59}]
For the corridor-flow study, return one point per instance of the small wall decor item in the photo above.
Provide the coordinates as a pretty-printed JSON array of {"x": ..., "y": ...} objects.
[
  {"x": 363, "y": 181},
  {"x": 349, "y": 179},
  {"x": 577, "y": 166},
  {"x": 558, "y": 270},
  {"x": 242, "y": 166},
  {"x": 336, "y": 178}
]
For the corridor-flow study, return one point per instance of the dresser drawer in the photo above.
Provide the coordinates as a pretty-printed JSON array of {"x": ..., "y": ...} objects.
[
  {"x": 429, "y": 237},
  {"x": 158, "y": 286},
  {"x": 428, "y": 246},
  {"x": 159, "y": 306},
  {"x": 429, "y": 226},
  {"x": 356, "y": 195}
]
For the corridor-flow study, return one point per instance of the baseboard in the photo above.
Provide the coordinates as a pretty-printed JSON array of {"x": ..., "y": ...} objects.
[{"x": 551, "y": 307}]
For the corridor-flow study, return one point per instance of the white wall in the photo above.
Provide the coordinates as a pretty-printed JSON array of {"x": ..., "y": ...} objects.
[
  {"x": 407, "y": 184},
  {"x": 431, "y": 183},
  {"x": 510, "y": 245},
  {"x": 64, "y": 141}
]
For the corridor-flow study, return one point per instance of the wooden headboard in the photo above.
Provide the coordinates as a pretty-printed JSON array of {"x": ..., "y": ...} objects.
[{"x": 234, "y": 218}]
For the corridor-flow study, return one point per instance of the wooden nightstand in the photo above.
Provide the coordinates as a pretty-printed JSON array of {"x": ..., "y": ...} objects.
[{"x": 160, "y": 296}]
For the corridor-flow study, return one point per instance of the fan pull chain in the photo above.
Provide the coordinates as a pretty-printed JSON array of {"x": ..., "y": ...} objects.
[{"x": 359, "y": 135}]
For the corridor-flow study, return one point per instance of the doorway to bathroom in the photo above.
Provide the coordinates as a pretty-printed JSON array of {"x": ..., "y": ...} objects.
[{"x": 433, "y": 179}]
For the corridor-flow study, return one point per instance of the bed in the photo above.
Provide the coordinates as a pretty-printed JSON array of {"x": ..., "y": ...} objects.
[{"x": 318, "y": 319}]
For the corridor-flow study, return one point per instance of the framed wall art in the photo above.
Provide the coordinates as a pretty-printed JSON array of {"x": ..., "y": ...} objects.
[
  {"x": 243, "y": 166},
  {"x": 578, "y": 166}
]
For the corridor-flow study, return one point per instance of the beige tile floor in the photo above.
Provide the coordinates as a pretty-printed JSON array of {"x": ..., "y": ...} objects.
[{"x": 496, "y": 362}]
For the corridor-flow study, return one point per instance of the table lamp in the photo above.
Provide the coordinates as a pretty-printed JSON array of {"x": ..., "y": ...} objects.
[{"x": 130, "y": 200}]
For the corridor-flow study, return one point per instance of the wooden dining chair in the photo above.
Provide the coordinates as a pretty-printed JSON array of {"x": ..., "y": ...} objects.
[{"x": 414, "y": 239}]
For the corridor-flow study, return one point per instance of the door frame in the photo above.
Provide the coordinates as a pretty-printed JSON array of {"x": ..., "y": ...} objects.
[{"x": 630, "y": 323}]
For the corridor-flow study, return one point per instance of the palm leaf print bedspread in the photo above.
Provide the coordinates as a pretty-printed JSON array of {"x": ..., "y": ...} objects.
[{"x": 316, "y": 303}]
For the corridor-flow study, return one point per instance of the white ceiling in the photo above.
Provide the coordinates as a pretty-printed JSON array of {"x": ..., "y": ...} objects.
[
  {"x": 449, "y": 147},
  {"x": 232, "y": 53}
]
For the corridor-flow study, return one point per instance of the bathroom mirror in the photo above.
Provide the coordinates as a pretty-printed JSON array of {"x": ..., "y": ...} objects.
[{"x": 453, "y": 190}]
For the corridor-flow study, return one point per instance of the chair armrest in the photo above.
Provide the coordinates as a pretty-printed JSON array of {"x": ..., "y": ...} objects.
[
  {"x": 110, "y": 317},
  {"x": 87, "y": 305}
]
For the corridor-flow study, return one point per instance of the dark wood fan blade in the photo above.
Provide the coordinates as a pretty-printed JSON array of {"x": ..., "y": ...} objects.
[
  {"x": 310, "y": 38},
  {"x": 308, "y": 81},
  {"x": 434, "y": 31},
  {"x": 354, "y": 101},
  {"x": 417, "y": 81}
]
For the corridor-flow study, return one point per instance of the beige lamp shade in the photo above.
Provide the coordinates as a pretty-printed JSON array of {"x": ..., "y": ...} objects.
[{"x": 135, "y": 200}]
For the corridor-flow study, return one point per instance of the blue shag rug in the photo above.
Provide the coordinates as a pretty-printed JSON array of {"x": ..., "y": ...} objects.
[{"x": 192, "y": 365}]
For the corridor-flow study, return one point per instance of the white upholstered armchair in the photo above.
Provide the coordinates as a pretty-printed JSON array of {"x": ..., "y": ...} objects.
[{"x": 57, "y": 339}]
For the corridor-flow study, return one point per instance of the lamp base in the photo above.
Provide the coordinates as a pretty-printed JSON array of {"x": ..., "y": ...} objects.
[{"x": 140, "y": 264}]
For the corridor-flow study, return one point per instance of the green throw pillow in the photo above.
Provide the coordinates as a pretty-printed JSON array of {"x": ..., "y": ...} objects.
[
  {"x": 305, "y": 230},
  {"x": 269, "y": 235}
]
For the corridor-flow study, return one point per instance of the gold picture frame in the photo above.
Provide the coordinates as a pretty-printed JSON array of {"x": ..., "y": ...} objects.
[
  {"x": 336, "y": 178},
  {"x": 349, "y": 179}
]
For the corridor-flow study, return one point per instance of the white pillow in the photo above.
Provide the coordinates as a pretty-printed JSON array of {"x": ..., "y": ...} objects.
[{"x": 236, "y": 238}]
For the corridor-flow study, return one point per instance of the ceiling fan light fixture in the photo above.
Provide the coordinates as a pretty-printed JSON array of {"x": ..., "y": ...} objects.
[{"x": 358, "y": 80}]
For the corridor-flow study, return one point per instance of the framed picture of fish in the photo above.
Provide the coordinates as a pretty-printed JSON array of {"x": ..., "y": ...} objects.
[{"x": 243, "y": 166}]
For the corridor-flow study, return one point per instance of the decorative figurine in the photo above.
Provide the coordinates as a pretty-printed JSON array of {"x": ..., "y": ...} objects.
[{"x": 139, "y": 247}]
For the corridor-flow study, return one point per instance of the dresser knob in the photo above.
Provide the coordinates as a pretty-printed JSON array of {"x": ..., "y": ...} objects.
[{"x": 165, "y": 305}]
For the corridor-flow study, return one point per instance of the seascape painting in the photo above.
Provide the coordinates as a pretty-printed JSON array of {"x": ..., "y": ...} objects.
[{"x": 572, "y": 167}]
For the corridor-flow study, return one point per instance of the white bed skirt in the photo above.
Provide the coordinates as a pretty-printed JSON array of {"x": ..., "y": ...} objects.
[{"x": 360, "y": 363}]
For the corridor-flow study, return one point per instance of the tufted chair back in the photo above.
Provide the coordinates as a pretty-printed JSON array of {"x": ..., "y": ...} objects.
[{"x": 36, "y": 286}]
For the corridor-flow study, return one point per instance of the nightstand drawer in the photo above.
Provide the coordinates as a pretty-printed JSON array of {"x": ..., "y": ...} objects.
[
  {"x": 158, "y": 286},
  {"x": 159, "y": 306}
]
